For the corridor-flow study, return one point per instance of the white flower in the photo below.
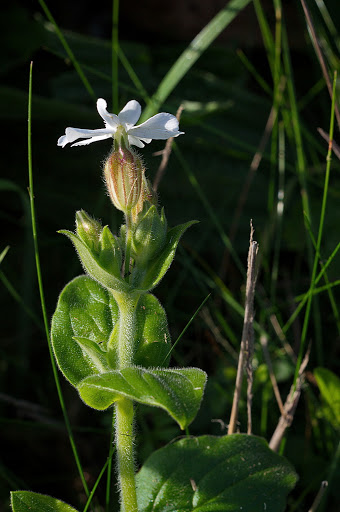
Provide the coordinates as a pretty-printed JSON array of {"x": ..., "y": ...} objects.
[{"x": 161, "y": 126}]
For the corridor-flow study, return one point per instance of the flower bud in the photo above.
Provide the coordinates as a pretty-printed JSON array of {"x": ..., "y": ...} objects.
[
  {"x": 123, "y": 172},
  {"x": 88, "y": 230},
  {"x": 149, "y": 235}
]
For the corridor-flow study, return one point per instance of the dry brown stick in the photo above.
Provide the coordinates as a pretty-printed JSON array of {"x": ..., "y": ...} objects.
[
  {"x": 205, "y": 314},
  {"x": 247, "y": 342},
  {"x": 281, "y": 335},
  {"x": 320, "y": 57},
  {"x": 30, "y": 410},
  {"x": 335, "y": 146},
  {"x": 319, "y": 496},
  {"x": 264, "y": 344},
  {"x": 292, "y": 400},
  {"x": 165, "y": 155}
]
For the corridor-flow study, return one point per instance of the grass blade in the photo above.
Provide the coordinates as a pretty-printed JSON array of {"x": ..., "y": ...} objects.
[
  {"x": 192, "y": 53},
  {"x": 318, "y": 242},
  {"x": 68, "y": 50},
  {"x": 41, "y": 289}
]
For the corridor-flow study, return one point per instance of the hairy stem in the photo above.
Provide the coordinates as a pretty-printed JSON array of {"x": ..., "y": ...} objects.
[
  {"x": 124, "y": 441},
  {"x": 124, "y": 407}
]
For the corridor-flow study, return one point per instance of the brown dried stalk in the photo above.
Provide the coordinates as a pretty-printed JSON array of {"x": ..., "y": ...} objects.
[
  {"x": 319, "y": 496},
  {"x": 247, "y": 343},
  {"x": 289, "y": 408},
  {"x": 334, "y": 146},
  {"x": 205, "y": 314},
  {"x": 264, "y": 344}
]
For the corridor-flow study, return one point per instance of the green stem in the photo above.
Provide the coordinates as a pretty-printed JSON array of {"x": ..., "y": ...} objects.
[
  {"x": 124, "y": 441},
  {"x": 127, "y": 303},
  {"x": 124, "y": 407}
]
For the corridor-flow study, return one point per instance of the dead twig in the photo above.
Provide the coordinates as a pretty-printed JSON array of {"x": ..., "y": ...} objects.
[
  {"x": 264, "y": 344},
  {"x": 31, "y": 410},
  {"x": 281, "y": 335},
  {"x": 247, "y": 343},
  {"x": 334, "y": 146},
  {"x": 319, "y": 496},
  {"x": 290, "y": 405},
  {"x": 165, "y": 155},
  {"x": 205, "y": 314}
]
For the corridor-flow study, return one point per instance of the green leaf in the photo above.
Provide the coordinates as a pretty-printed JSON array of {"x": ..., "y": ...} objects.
[
  {"x": 92, "y": 265},
  {"x": 27, "y": 501},
  {"x": 153, "y": 337},
  {"x": 85, "y": 316},
  {"x": 215, "y": 474},
  {"x": 87, "y": 319},
  {"x": 161, "y": 263},
  {"x": 329, "y": 385},
  {"x": 177, "y": 391},
  {"x": 97, "y": 355},
  {"x": 3, "y": 253}
]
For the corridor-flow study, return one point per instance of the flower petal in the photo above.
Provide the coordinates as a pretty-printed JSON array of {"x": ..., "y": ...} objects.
[
  {"x": 109, "y": 119},
  {"x": 135, "y": 141},
  {"x": 72, "y": 134},
  {"x": 130, "y": 113},
  {"x": 161, "y": 126},
  {"x": 93, "y": 139}
]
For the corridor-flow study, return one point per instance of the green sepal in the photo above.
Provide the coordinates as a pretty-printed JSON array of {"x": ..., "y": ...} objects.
[
  {"x": 110, "y": 256},
  {"x": 147, "y": 279},
  {"x": 178, "y": 391},
  {"x": 95, "y": 353},
  {"x": 27, "y": 501},
  {"x": 215, "y": 474},
  {"x": 149, "y": 235},
  {"x": 93, "y": 265}
]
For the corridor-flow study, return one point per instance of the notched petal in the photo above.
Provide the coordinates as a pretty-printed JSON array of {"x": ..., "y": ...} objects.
[
  {"x": 110, "y": 119},
  {"x": 161, "y": 127},
  {"x": 72, "y": 134},
  {"x": 130, "y": 114},
  {"x": 92, "y": 139},
  {"x": 135, "y": 141}
]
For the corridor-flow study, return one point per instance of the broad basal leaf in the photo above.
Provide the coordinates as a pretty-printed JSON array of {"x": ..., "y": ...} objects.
[
  {"x": 178, "y": 391},
  {"x": 215, "y": 474},
  {"x": 26, "y": 501}
]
